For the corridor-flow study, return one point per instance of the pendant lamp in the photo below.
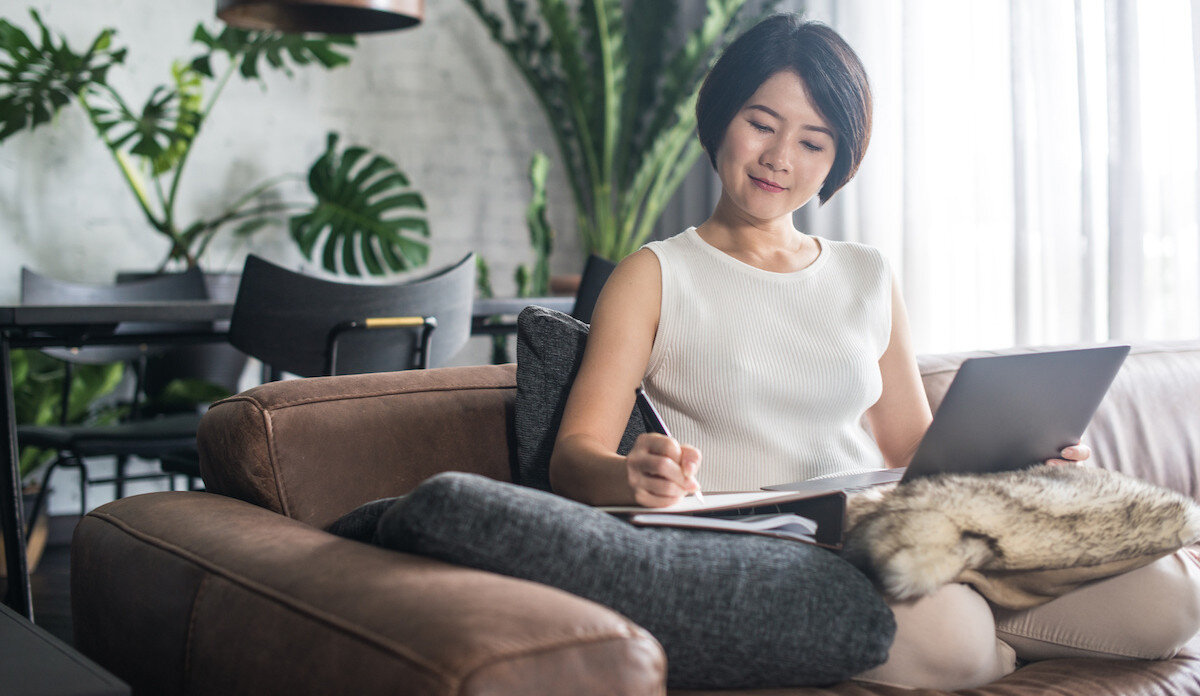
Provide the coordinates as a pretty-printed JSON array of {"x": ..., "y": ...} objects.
[{"x": 324, "y": 16}]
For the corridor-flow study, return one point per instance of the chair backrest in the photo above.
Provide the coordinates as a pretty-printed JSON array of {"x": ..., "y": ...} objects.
[
  {"x": 284, "y": 318},
  {"x": 37, "y": 289},
  {"x": 219, "y": 364},
  {"x": 595, "y": 272}
]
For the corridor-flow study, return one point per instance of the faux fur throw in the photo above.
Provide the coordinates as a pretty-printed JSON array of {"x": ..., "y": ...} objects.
[{"x": 1021, "y": 538}]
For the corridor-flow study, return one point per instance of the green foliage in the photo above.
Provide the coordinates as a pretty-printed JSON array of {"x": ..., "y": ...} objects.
[
  {"x": 36, "y": 80},
  {"x": 161, "y": 132},
  {"x": 483, "y": 284},
  {"x": 359, "y": 208},
  {"x": 245, "y": 48},
  {"x": 151, "y": 144},
  {"x": 619, "y": 97},
  {"x": 37, "y": 396},
  {"x": 541, "y": 236},
  {"x": 185, "y": 394}
]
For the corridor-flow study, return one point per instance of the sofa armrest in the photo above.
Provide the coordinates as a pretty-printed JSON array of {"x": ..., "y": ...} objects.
[
  {"x": 314, "y": 449},
  {"x": 201, "y": 594}
]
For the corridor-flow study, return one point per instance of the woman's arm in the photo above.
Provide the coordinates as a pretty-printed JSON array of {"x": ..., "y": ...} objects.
[
  {"x": 585, "y": 464},
  {"x": 901, "y": 416}
]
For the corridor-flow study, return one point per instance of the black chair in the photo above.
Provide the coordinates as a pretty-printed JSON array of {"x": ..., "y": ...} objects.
[
  {"x": 135, "y": 436},
  {"x": 595, "y": 272},
  {"x": 220, "y": 365},
  {"x": 310, "y": 327}
]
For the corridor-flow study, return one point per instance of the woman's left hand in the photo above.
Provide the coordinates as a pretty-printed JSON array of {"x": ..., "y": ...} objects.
[{"x": 1073, "y": 455}]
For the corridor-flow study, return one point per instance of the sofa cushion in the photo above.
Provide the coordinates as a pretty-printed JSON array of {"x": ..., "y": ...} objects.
[
  {"x": 730, "y": 610},
  {"x": 549, "y": 349}
]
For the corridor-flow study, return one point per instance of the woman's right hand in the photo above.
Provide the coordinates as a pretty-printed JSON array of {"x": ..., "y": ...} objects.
[{"x": 661, "y": 470}]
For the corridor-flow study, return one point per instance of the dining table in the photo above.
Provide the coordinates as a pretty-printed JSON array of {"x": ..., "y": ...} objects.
[{"x": 69, "y": 326}]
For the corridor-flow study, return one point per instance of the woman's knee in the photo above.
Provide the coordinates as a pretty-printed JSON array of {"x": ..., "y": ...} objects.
[
  {"x": 945, "y": 641},
  {"x": 962, "y": 645},
  {"x": 1148, "y": 613},
  {"x": 1170, "y": 592}
]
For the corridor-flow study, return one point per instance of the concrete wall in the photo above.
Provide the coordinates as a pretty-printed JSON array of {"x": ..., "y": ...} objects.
[{"x": 442, "y": 100}]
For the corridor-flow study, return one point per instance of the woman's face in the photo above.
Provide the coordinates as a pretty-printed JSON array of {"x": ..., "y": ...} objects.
[{"x": 777, "y": 151}]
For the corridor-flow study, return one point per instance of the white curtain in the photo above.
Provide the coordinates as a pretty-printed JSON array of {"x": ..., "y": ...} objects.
[{"x": 1033, "y": 170}]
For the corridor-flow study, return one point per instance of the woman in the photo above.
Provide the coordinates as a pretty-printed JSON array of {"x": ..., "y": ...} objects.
[{"x": 763, "y": 347}]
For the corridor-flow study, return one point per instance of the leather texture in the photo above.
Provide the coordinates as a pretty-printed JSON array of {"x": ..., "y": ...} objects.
[
  {"x": 238, "y": 591},
  {"x": 254, "y": 603},
  {"x": 314, "y": 449}
]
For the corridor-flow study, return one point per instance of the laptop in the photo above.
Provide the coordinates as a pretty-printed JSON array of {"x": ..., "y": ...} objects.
[{"x": 1001, "y": 413}]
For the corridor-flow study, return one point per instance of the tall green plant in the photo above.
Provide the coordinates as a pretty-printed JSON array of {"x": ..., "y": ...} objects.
[
  {"x": 620, "y": 98},
  {"x": 530, "y": 283},
  {"x": 535, "y": 282},
  {"x": 151, "y": 144}
]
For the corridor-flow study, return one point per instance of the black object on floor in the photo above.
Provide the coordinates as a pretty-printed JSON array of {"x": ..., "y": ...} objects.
[{"x": 36, "y": 662}]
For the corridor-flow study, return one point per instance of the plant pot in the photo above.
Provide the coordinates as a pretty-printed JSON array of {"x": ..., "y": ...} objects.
[
  {"x": 36, "y": 545},
  {"x": 566, "y": 284}
]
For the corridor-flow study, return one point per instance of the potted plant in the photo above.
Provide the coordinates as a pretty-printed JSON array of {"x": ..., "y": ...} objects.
[
  {"x": 619, "y": 96},
  {"x": 363, "y": 217}
]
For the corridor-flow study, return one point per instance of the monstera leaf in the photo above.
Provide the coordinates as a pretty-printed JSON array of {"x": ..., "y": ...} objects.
[
  {"x": 36, "y": 81},
  {"x": 364, "y": 211},
  {"x": 165, "y": 127},
  {"x": 250, "y": 46}
]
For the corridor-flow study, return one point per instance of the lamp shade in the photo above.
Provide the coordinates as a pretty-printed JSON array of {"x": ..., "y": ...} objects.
[{"x": 325, "y": 16}]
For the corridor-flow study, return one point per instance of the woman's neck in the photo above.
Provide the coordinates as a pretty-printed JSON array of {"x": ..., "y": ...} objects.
[{"x": 772, "y": 245}]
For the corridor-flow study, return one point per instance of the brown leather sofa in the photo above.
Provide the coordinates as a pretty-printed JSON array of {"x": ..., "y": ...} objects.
[{"x": 238, "y": 591}]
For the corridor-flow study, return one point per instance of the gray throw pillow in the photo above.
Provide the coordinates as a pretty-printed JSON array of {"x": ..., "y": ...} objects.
[
  {"x": 549, "y": 349},
  {"x": 360, "y": 523},
  {"x": 730, "y": 610}
]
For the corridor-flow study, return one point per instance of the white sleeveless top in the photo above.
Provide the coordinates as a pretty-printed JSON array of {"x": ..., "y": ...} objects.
[{"x": 769, "y": 374}]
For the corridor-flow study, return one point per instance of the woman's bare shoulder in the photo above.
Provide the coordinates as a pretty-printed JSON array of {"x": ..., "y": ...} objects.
[
  {"x": 626, "y": 315},
  {"x": 641, "y": 262},
  {"x": 635, "y": 281}
]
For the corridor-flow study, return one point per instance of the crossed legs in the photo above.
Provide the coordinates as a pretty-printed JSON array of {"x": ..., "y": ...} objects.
[{"x": 954, "y": 639}]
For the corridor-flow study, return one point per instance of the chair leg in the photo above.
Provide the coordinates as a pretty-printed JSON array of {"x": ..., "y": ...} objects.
[
  {"x": 83, "y": 484},
  {"x": 119, "y": 477},
  {"x": 40, "y": 501}
]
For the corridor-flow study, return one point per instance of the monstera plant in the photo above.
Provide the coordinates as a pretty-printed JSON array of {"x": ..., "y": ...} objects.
[
  {"x": 619, "y": 95},
  {"x": 362, "y": 215}
]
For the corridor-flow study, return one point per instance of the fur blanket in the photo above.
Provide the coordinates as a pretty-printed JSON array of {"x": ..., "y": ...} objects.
[{"x": 1020, "y": 538}]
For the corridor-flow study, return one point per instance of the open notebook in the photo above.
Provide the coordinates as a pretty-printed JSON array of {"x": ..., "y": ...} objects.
[{"x": 822, "y": 514}]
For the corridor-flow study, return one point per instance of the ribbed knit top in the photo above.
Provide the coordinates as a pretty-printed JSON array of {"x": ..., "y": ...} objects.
[{"x": 769, "y": 374}]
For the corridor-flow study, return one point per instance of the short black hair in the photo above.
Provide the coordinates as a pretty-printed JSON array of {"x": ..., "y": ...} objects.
[{"x": 831, "y": 71}]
